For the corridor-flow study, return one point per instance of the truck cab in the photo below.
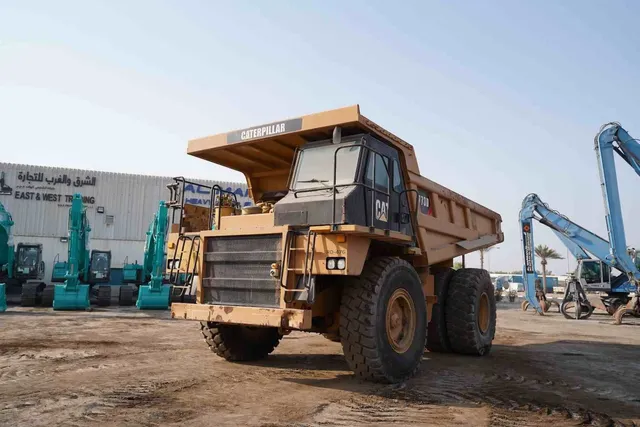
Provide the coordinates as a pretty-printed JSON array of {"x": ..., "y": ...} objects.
[{"x": 354, "y": 180}]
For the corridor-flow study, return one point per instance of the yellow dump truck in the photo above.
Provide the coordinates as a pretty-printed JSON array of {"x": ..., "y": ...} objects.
[{"x": 347, "y": 240}]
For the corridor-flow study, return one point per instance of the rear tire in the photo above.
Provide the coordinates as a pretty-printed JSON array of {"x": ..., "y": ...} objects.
[
  {"x": 437, "y": 339},
  {"x": 104, "y": 296},
  {"x": 383, "y": 321},
  {"x": 471, "y": 312},
  {"x": 47, "y": 296},
  {"x": 239, "y": 343}
]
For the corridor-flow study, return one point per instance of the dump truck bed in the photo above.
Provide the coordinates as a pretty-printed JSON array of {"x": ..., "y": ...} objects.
[{"x": 449, "y": 224}]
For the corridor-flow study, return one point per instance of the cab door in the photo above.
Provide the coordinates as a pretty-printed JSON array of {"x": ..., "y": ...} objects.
[
  {"x": 377, "y": 182},
  {"x": 400, "y": 207}
]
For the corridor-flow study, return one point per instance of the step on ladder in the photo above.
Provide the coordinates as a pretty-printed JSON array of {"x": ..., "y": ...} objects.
[
  {"x": 308, "y": 280},
  {"x": 181, "y": 282}
]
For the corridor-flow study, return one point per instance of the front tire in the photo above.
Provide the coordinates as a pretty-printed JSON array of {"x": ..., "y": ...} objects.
[
  {"x": 238, "y": 343},
  {"x": 471, "y": 312},
  {"x": 383, "y": 321}
]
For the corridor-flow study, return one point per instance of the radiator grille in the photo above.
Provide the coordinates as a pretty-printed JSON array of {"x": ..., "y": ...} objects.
[{"x": 237, "y": 270}]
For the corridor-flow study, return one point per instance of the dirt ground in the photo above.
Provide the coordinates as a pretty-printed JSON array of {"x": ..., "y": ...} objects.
[{"x": 122, "y": 367}]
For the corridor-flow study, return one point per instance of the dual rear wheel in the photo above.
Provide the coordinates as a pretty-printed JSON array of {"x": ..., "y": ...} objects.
[{"x": 383, "y": 318}]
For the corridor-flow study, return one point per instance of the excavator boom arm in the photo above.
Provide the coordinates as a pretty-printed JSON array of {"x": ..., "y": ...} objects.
[
  {"x": 576, "y": 238},
  {"x": 613, "y": 138}
]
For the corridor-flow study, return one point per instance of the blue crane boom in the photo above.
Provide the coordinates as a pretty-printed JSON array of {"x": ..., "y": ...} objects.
[
  {"x": 576, "y": 238},
  {"x": 613, "y": 138}
]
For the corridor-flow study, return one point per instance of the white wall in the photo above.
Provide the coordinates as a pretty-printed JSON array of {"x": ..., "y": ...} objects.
[{"x": 37, "y": 197}]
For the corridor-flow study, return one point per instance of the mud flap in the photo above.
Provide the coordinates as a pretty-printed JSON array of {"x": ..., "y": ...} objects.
[
  {"x": 71, "y": 299},
  {"x": 153, "y": 298},
  {"x": 3, "y": 298}
]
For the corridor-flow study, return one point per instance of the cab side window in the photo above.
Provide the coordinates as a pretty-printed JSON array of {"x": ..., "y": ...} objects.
[
  {"x": 381, "y": 179},
  {"x": 398, "y": 185}
]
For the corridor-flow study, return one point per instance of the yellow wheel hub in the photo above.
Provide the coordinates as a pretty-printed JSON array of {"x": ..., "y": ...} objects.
[{"x": 400, "y": 320}]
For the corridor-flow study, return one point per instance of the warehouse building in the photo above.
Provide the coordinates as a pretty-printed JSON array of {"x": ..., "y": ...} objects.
[{"x": 119, "y": 207}]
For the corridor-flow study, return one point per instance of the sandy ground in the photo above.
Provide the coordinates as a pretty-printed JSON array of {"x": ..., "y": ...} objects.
[{"x": 122, "y": 367}]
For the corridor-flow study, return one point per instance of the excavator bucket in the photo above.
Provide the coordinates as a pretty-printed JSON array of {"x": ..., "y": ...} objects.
[
  {"x": 153, "y": 298},
  {"x": 68, "y": 298},
  {"x": 3, "y": 298}
]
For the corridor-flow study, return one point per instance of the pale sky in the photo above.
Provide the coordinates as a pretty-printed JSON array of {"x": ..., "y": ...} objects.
[{"x": 499, "y": 98}]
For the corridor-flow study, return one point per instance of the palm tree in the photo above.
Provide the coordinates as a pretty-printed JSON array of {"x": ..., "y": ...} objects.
[
  {"x": 544, "y": 252},
  {"x": 482, "y": 253}
]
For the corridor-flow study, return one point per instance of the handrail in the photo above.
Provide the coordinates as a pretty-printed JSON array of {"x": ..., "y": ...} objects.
[{"x": 212, "y": 196}]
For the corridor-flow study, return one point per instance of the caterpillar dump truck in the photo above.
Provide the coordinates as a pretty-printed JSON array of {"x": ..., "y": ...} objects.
[{"x": 350, "y": 241}]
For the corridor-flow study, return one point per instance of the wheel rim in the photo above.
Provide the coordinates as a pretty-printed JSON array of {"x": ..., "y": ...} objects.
[
  {"x": 400, "y": 321},
  {"x": 483, "y": 313}
]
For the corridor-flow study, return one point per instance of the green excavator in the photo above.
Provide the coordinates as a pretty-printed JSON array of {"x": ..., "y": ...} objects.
[
  {"x": 21, "y": 265},
  {"x": 83, "y": 269},
  {"x": 153, "y": 292}
]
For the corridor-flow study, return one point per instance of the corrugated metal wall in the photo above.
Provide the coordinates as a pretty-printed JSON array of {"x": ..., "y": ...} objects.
[{"x": 39, "y": 198}]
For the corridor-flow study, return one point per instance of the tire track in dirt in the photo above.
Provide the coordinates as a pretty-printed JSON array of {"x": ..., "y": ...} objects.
[
  {"x": 532, "y": 401},
  {"x": 378, "y": 411},
  {"x": 86, "y": 405}
]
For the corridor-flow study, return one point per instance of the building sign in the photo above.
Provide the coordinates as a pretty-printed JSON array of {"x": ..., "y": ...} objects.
[
  {"x": 201, "y": 196},
  {"x": 33, "y": 186},
  {"x": 271, "y": 129},
  {"x": 51, "y": 197},
  {"x": 39, "y": 177},
  {"x": 40, "y": 187}
]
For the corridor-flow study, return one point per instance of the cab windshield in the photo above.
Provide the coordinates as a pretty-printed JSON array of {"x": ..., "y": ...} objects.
[
  {"x": 28, "y": 256},
  {"x": 314, "y": 168}
]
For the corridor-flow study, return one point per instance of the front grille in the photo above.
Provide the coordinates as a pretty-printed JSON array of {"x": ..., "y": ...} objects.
[{"x": 237, "y": 270}]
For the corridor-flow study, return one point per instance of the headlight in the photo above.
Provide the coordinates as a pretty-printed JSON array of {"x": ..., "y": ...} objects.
[{"x": 336, "y": 263}]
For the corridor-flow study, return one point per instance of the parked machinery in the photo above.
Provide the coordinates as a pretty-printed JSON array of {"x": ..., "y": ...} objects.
[
  {"x": 352, "y": 242},
  {"x": 611, "y": 138},
  {"x": 83, "y": 269},
  {"x": 21, "y": 266},
  {"x": 137, "y": 274},
  {"x": 155, "y": 294},
  {"x": 621, "y": 292},
  {"x": 590, "y": 274}
]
